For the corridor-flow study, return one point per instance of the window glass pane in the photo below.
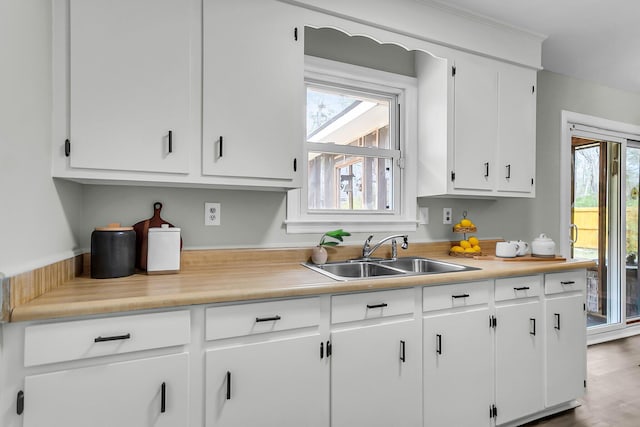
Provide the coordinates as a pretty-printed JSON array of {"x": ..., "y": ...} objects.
[
  {"x": 339, "y": 117},
  {"x": 347, "y": 182}
]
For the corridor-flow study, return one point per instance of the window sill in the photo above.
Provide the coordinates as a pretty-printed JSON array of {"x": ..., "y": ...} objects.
[{"x": 351, "y": 225}]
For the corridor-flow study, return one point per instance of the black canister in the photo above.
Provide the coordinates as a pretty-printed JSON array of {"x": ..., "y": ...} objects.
[{"x": 113, "y": 252}]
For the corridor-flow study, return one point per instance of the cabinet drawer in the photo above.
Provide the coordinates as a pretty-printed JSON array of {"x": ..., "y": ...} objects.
[
  {"x": 442, "y": 297},
  {"x": 260, "y": 317},
  {"x": 372, "y": 305},
  {"x": 555, "y": 283},
  {"x": 82, "y": 339},
  {"x": 518, "y": 287}
]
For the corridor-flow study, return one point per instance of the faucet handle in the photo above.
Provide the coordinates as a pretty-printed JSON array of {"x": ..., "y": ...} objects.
[{"x": 405, "y": 243}]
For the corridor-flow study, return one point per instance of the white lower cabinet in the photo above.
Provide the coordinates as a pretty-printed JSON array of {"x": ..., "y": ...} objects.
[
  {"x": 270, "y": 384},
  {"x": 139, "y": 393},
  {"x": 375, "y": 359},
  {"x": 457, "y": 369},
  {"x": 457, "y": 351},
  {"x": 519, "y": 347},
  {"x": 374, "y": 376},
  {"x": 566, "y": 336}
]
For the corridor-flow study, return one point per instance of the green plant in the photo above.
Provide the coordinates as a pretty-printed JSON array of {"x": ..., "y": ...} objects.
[{"x": 335, "y": 234}]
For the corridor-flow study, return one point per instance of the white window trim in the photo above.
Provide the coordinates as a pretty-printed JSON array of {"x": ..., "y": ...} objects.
[{"x": 404, "y": 218}]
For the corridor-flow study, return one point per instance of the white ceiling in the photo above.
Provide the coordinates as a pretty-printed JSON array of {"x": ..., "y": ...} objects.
[{"x": 596, "y": 40}]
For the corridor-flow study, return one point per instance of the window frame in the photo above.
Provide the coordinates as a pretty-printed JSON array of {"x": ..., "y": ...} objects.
[{"x": 402, "y": 217}]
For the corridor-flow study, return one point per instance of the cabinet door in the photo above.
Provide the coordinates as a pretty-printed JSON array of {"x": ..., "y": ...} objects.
[
  {"x": 130, "y": 84},
  {"x": 517, "y": 130},
  {"x": 270, "y": 384},
  {"x": 519, "y": 360},
  {"x": 457, "y": 371},
  {"x": 566, "y": 348},
  {"x": 146, "y": 392},
  {"x": 374, "y": 376},
  {"x": 476, "y": 123},
  {"x": 253, "y": 89}
]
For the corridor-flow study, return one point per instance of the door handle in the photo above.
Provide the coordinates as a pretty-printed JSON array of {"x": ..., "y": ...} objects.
[
  {"x": 575, "y": 234},
  {"x": 170, "y": 142},
  {"x": 438, "y": 343},
  {"x": 556, "y": 324},
  {"x": 163, "y": 398},
  {"x": 402, "y": 351},
  {"x": 228, "y": 385},
  {"x": 532, "y": 326}
]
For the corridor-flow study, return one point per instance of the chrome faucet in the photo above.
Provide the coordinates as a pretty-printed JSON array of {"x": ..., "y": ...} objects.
[{"x": 367, "y": 250}]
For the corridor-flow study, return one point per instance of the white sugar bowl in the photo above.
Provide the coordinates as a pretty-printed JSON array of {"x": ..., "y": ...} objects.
[{"x": 543, "y": 246}]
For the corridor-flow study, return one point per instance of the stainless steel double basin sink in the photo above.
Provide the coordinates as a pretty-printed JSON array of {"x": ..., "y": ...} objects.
[{"x": 367, "y": 269}]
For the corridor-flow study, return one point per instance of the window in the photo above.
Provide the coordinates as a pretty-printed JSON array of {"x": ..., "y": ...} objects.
[{"x": 356, "y": 146}]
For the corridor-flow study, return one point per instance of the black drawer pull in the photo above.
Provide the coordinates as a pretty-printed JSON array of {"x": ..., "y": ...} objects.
[
  {"x": 163, "y": 398},
  {"x": 113, "y": 338},
  {"x": 460, "y": 296},
  {"x": 522, "y": 288},
  {"x": 267, "y": 319},
  {"x": 532, "y": 327},
  {"x": 569, "y": 282},
  {"x": 508, "y": 172},
  {"x": 557, "y": 321},
  {"x": 438, "y": 343},
  {"x": 382, "y": 305},
  {"x": 228, "y": 385},
  {"x": 402, "y": 352},
  {"x": 486, "y": 170}
]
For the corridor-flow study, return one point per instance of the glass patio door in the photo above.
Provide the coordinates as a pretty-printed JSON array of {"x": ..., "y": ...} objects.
[
  {"x": 632, "y": 207},
  {"x": 595, "y": 212}
]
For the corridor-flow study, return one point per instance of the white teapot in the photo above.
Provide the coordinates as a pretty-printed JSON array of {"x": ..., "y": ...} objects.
[{"x": 543, "y": 246}]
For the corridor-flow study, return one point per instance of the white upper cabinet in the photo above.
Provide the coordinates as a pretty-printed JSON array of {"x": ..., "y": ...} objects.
[
  {"x": 475, "y": 123},
  {"x": 476, "y": 127},
  {"x": 253, "y": 90},
  {"x": 517, "y": 130},
  {"x": 129, "y": 85}
]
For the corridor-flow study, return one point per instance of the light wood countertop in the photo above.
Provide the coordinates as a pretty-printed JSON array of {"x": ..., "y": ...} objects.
[{"x": 205, "y": 280}]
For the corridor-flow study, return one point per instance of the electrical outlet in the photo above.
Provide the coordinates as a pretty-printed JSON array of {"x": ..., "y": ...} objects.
[
  {"x": 446, "y": 216},
  {"x": 211, "y": 213}
]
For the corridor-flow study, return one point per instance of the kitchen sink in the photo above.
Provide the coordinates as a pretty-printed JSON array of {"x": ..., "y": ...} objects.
[{"x": 366, "y": 269}]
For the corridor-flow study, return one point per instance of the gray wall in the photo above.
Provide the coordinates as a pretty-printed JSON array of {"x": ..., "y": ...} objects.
[
  {"x": 37, "y": 215},
  {"x": 556, "y": 93}
]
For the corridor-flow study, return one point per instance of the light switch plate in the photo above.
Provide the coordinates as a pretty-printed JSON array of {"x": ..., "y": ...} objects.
[
  {"x": 423, "y": 216},
  {"x": 211, "y": 213}
]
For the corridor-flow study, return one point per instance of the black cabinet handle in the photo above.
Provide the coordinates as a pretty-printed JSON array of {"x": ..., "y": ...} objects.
[
  {"x": 557, "y": 321},
  {"x": 569, "y": 282},
  {"x": 329, "y": 348},
  {"x": 382, "y": 305},
  {"x": 228, "y": 385},
  {"x": 522, "y": 288},
  {"x": 486, "y": 170},
  {"x": 460, "y": 296},
  {"x": 438, "y": 343},
  {"x": 113, "y": 338},
  {"x": 170, "y": 142},
  {"x": 267, "y": 319},
  {"x": 295, "y": 33},
  {"x": 295, "y": 165},
  {"x": 321, "y": 350},
  {"x": 402, "y": 351},
  {"x": 163, "y": 398},
  {"x": 220, "y": 147},
  {"x": 20, "y": 402},
  {"x": 67, "y": 148},
  {"x": 532, "y": 326},
  {"x": 508, "y": 172}
]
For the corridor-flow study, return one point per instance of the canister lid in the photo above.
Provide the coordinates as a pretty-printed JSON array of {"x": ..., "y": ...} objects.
[
  {"x": 114, "y": 226},
  {"x": 164, "y": 228}
]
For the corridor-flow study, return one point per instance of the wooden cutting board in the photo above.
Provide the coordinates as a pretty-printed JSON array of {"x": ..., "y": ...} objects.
[
  {"x": 519, "y": 259},
  {"x": 142, "y": 232}
]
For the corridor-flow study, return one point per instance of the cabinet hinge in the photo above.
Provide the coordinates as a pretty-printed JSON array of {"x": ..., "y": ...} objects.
[
  {"x": 20, "y": 403},
  {"x": 453, "y": 176},
  {"x": 493, "y": 411},
  {"x": 67, "y": 148},
  {"x": 295, "y": 33},
  {"x": 453, "y": 71}
]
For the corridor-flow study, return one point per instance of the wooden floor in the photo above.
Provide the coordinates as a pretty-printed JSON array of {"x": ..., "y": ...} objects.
[{"x": 613, "y": 388}]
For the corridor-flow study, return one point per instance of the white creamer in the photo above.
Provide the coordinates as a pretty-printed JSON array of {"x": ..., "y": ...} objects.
[{"x": 163, "y": 250}]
